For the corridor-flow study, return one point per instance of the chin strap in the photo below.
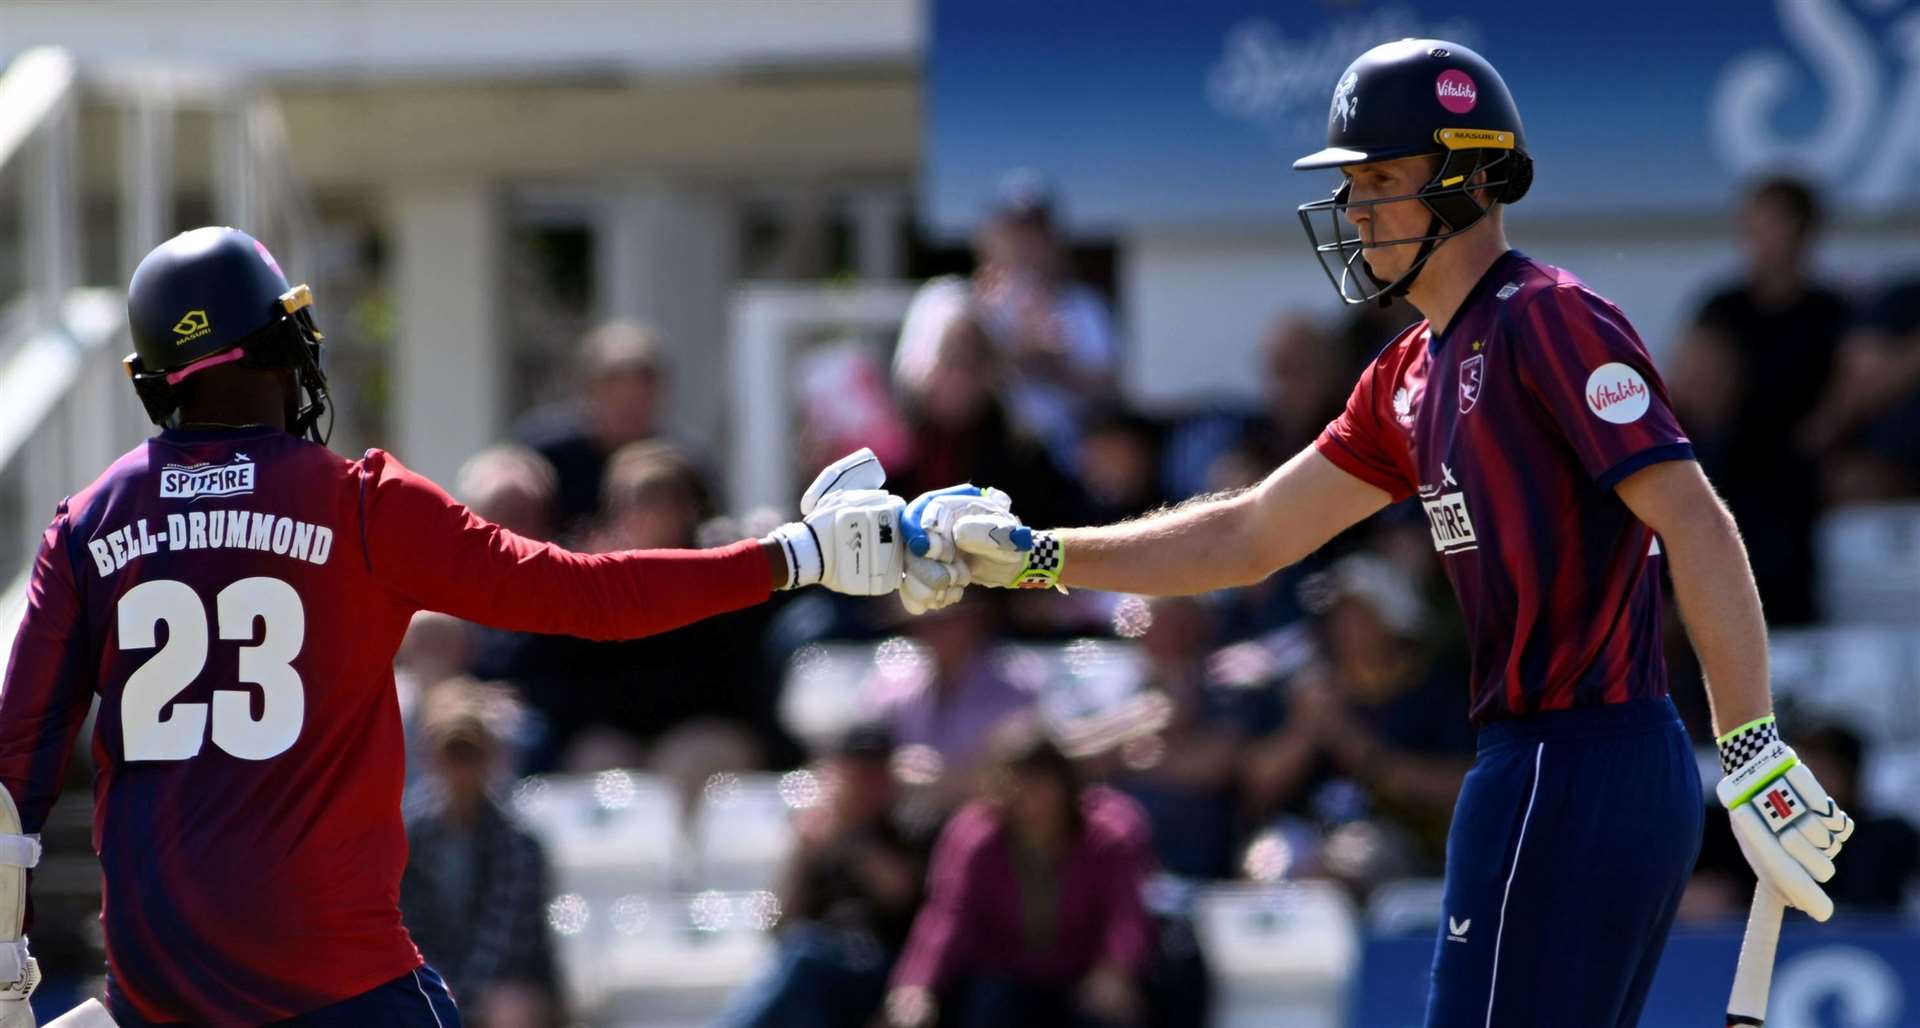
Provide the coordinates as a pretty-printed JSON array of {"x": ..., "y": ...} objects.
[{"x": 1391, "y": 291}]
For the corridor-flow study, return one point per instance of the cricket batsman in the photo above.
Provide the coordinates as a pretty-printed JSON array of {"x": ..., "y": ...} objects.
[
  {"x": 232, "y": 593},
  {"x": 1528, "y": 418}
]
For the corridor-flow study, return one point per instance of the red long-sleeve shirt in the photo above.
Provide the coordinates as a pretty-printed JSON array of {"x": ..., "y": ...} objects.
[
  {"x": 973, "y": 921},
  {"x": 234, "y": 598}
]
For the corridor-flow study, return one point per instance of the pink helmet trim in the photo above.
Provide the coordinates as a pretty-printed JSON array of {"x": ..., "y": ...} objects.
[{"x": 176, "y": 377}]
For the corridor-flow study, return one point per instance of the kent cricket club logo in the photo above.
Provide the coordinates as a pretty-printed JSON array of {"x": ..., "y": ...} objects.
[
  {"x": 1345, "y": 104},
  {"x": 192, "y": 481},
  {"x": 1471, "y": 371}
]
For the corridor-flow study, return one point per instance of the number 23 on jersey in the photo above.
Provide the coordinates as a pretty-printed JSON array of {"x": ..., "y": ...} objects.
[{"x": 179, "y": 734}]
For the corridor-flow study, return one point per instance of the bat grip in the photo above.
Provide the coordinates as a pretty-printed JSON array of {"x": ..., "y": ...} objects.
[{"x": 1753, "y": 976}]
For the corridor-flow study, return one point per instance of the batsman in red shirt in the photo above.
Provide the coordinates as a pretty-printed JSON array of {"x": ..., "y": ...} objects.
[{"x": 232, "y": 593}]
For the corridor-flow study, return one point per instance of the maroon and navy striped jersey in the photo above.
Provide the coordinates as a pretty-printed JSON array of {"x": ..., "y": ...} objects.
[
  {"x": 1512, "y": 427},
  {"x": 234, "y": 599}
]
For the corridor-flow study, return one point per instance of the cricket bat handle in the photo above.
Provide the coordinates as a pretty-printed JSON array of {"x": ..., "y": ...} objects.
[{"x": 1753, "y": 977}]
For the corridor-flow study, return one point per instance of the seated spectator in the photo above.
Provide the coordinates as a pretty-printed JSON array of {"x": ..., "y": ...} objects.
[
  {"x": 474, "y": 892},
  {"x": 623, "y": 376},
  {"x": 513, "y": 487},
  {"x": 1872, "y": 873},
  {"x": 847, "y": 898},
  {"x": 437, "y": 647},
  {"x": 517, "y": 489},
  {"x": 959, "y": 431},
  {"x": 943, "y": 707},
  {"x": 1745, "y": 380},
  {"x": 1119, "y": 466},
  {"x": 1375, "y": 733},
  {"x": 1185, "y": 776},
  {"x": 1867, "y": 427},
  {"x": 1269, "y": 609},
  {"x": 687, "y": 703},
  {"x": 1034, "y": 912},
  {"x": 1055, "y": 334}
]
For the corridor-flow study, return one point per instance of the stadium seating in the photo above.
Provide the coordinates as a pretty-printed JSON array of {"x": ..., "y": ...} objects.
[
  {"x": 824, "y": 691},
  {"x": 1403, "y": 907},
  {"x": 1280, "y": 954},
  {"x": 606, "y": 834},
  {"x": 1869, "y": 559},
  {"x": 1864, "y": 676},
  {"x": 676, "y": 961},
  {"x": 743, "y": 830}
]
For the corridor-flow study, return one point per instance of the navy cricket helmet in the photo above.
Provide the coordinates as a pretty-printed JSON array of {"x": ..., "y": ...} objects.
[
  {"x": 1414, "y": 98},
  {"x": 214, "y": 296}
]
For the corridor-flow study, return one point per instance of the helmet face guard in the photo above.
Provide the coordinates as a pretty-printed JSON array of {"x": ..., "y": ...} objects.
[
  {"x": 1452, "y": 207},
  {"x": 291, "y": 342},
  {"x": 1415, "y": 98}
]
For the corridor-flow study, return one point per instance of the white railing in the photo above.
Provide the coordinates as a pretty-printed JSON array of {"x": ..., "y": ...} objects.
[{"x": 65, "y": 409}]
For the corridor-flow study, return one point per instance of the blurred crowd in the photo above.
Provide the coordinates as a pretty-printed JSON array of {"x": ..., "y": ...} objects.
[{"x": 983, "y": 847}]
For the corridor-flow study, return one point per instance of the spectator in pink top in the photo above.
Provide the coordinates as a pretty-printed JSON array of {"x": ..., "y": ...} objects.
[{"x": 1034, "y": 912}]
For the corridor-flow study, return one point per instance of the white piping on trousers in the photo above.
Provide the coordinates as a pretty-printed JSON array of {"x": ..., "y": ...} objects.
[{"x": 1538, "y": 752}]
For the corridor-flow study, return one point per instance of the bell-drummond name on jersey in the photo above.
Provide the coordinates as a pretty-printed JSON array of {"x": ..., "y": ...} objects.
[{"x": 212, "y": 530}]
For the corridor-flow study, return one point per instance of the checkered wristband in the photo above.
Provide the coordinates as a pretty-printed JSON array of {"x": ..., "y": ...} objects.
[
  {"x": 1746, "y": 742},
  {"x": 1044, "y": 562}
]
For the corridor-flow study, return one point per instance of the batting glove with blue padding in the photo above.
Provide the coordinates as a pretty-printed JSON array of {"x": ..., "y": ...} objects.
[
  {"x": 1788, "y": 828},
  {"x": 965, "y": 535}
]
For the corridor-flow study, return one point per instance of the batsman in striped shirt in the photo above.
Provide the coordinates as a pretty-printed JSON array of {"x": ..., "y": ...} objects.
[{"x": 1526, "y": 416}]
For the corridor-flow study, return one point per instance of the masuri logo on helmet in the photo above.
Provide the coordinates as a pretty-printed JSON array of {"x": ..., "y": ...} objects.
[{"x": 192, "y": 325}]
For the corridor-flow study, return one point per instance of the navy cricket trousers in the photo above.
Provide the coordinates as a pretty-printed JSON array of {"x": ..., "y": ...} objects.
[
  {"x": 1572, "y": 840},
  {"x": 417, "y": 999}
]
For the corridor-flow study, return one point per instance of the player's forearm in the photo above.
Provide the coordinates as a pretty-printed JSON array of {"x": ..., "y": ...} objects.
[
  {"x": 1713, "y": 584},
  {"x": 1199, "y": 546}
]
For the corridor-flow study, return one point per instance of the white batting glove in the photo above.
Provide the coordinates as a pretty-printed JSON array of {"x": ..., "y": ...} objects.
[
  {"x": 1788, "y": 828},
  {"x": 848, "y": 538},
  {"x": 964, "y": 535}
]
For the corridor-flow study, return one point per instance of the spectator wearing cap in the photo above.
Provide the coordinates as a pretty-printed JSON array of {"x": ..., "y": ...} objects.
[
  {"x": 1034, "y": 913},
  {"x": 475, "y": 888},
  {"x": 1375, "y": 733},
  {"x": 848, "y": 896},
  {"x": 1056, "y": 334},
  {"x": 623, "y": 378}
]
